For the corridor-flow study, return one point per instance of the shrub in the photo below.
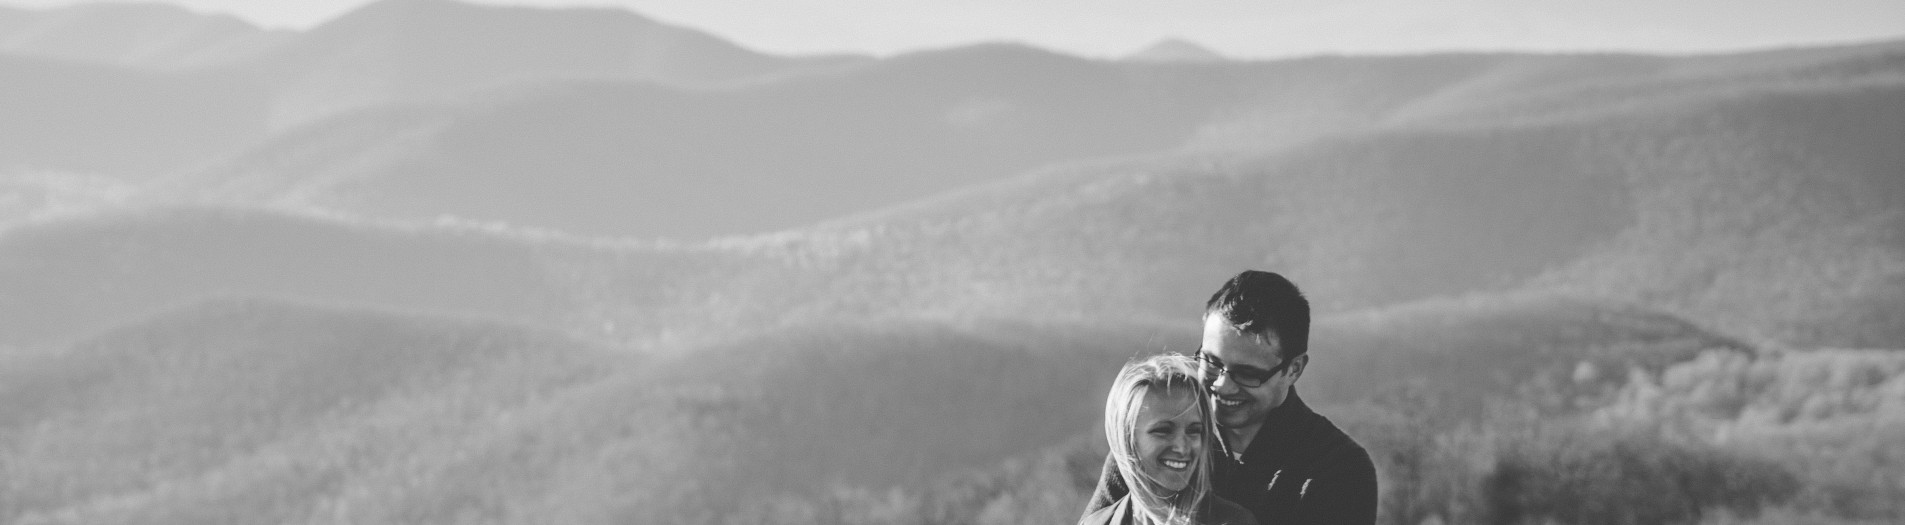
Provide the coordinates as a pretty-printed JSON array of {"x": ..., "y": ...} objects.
[{"x": 1577, "y": 475}]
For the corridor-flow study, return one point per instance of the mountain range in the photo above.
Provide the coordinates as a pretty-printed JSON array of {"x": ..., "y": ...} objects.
[
  {"x": 593, "y": 268},
  {"x": 144, "y": 36}
]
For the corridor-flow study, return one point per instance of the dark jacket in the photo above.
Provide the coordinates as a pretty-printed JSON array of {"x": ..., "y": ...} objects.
[
  {"x": 1299, "y": 470},
  {"x": 1221, "y": 513}
]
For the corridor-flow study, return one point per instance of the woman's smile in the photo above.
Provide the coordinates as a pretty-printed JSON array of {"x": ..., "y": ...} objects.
[{"x": 1170, "y": 436}]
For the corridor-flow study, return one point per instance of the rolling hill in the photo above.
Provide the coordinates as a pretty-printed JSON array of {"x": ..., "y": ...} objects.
[
  {"x": 148, "y": 36},
  {"x": 64, "y": 279},
  {"x": 397, "y": 50},
  {"x": 60, "y": 116},
  {"x": 132, "y": 90},
  {"x": 245, "y": 410},
  {"x": 615, "y": 158},
  {"x": 1398, "y": 215},
  {"x": 1790, "y": 193},
  {"x": 963, "y": 246},
  {"x": 73, "y": 278},
  {"x": 217, "y": 411}
]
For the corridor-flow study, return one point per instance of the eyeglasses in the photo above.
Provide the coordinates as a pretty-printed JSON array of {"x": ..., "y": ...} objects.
[{"x": 1248, "y": 376}]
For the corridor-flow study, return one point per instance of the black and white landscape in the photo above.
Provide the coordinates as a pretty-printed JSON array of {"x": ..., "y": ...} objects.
[{"x": 437, "y": 262}]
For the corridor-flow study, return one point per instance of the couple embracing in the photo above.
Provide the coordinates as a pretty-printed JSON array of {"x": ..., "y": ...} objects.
[{"x": 1221, "y": 437}]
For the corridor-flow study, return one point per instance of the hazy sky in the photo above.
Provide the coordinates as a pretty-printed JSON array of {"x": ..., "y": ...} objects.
[{"x": 1241, "y": 28}]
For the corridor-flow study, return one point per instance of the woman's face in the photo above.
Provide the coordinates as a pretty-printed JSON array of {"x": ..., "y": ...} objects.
[{"x": 1170, "y": 437}]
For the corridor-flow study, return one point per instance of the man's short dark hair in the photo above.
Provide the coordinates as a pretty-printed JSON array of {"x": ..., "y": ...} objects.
[{"x": 1262, "y": 303}]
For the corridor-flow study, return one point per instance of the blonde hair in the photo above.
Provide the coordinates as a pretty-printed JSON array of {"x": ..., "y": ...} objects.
[{"x": 1167, "y": 374}]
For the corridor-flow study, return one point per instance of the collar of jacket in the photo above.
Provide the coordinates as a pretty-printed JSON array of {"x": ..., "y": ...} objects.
[{"x": 1283, "y": 422}]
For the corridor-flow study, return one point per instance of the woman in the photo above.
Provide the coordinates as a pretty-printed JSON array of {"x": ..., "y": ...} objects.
[{"x": 1157, "y": 421}]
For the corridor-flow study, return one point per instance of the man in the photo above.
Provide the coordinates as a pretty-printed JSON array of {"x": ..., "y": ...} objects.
[{"x": 1285, "y": 463}]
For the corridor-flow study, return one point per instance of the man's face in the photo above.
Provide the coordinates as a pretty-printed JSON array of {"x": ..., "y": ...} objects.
[{"x": 1238, "y": 405}]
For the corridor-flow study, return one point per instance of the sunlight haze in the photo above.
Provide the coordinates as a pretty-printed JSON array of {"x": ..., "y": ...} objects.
[
  {"x": 1236, "y": 28},
  {"x": 862, "y": 262}
]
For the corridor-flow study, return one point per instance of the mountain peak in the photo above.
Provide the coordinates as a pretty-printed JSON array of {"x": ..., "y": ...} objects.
[
  {"x": 1176, "y": 50},
  {"x": 466, "y": 8}
]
